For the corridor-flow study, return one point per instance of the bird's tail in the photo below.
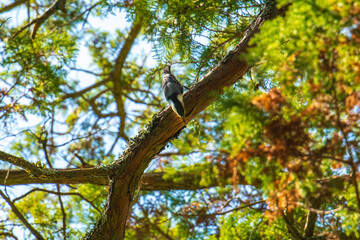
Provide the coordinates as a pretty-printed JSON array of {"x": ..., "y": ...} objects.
[{"x": 177, "y": 104}]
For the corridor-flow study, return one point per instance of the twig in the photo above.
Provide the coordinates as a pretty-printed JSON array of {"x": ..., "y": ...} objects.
[
  {"x": 254, "y": 229},
  {"x": 118, "y": 136},
  {"x": 76, "y": 17},
  {"x": 319, "y": 211},
  {"x": 3, "y": 22},
  {"x": 223, "y": 213},
  {"x": 47, "y": 157},
  {"x": 158, "y": 229},
  {"x": 59, "y": 4},
  {"x": 62, "y": 211},
  {"x": 169, "y": 154},
  {"x": 5, "y": 179},
  {"x": 88, "y": 72},
  {"x": 58, "y": 193},
  {"x": 84, "y": 164},
  {"x": 21, "y": 217}
]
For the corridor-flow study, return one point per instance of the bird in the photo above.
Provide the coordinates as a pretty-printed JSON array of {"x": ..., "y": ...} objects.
[{"x": 173, "y": 92}]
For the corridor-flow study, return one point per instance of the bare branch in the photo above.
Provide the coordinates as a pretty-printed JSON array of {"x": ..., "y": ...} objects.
[
  {"x": 169, "y": 154},
  {"x": 125, "y": 50},
  {"x": 88, "y": 72}
]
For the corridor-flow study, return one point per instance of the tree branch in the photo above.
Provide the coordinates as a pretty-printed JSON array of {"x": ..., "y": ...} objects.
[
  {"x": 311, "y": 218},
  {"x": 59, "y": 194},
  {"x": 226, "y": 212},
  {"x": 20, "y": 162},
  {"x": 115, "y": 77},
  {"x": 3, "y": 22},
  {"x": 53, "y": 175},
  {"x": 291, "y": 228},
  {"x": 8, "y": 234},
  {"x": 12, "y": 5},
  {"x": 59, "y": 4},
  {"x": 81, "y": 92},
  {"x": 21, "y": 217},
  {"x": 76, "y": 18},
  {"x": 164, "y": 127},
  {"x": 148, "y": 182},
  {"x": 116, "y": 74}
]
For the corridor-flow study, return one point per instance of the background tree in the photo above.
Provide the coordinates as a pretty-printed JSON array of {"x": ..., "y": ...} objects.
[{"x": 274, "y": 156}]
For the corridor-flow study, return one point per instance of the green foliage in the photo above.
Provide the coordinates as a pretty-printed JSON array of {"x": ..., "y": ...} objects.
[
  {"x": 250, "y": 224},
  {"x": 288, "y": 130}
]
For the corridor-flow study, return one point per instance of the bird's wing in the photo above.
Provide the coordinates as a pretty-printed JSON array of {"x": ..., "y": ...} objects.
[{"x": 172, "y": 79}]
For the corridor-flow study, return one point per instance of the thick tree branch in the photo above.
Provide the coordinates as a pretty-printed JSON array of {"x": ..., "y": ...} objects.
[
  {"x": 148, "y": 182},
  {"x": 311, "y": 218},
  {"x": 21, "y": 217},
  {"x": 164, "y": 127},
  {"x": 291, "y": 228},
  {"x": 54, "y": 174},
  {"x": 20, "y": 162}
]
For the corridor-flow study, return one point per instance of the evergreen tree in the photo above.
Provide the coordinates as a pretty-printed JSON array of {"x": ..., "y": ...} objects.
[{"x": 270, "y": 147}]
